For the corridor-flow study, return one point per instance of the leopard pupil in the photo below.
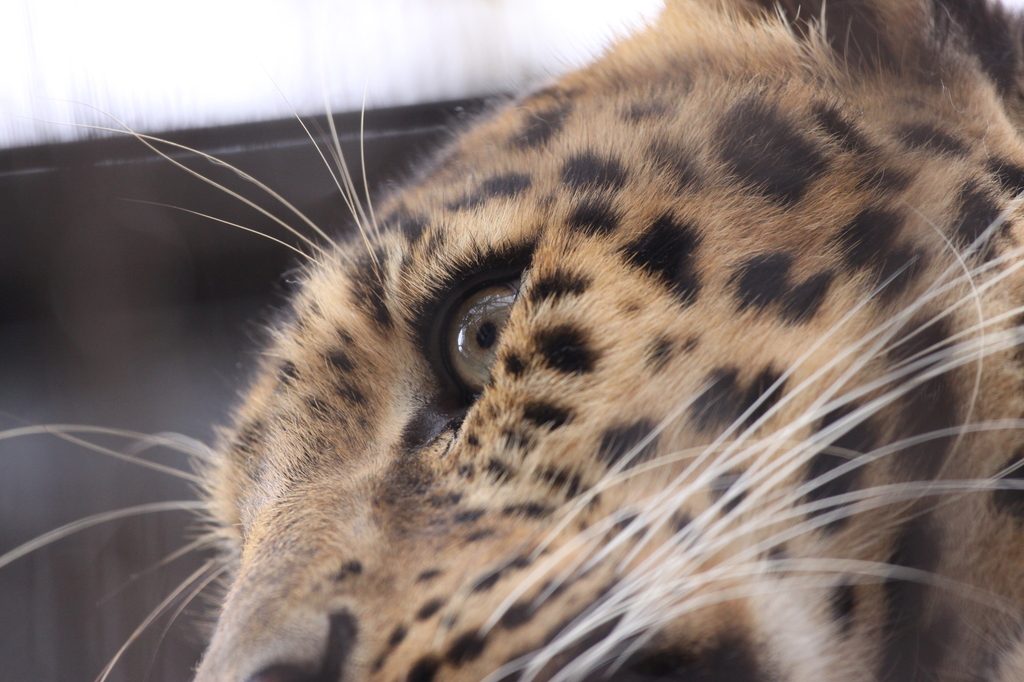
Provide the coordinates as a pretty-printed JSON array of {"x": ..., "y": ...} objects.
[{"x": 486, "y": 335}]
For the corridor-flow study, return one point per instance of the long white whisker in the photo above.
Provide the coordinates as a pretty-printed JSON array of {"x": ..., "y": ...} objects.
[
  {"x": 188, "y": 548},
  {"x": 158, "y": 611},
  {"x": 150, "y": 140},
  {"x": 227, "y": 222},
  {"x": 61, "y": 431},
  {"x": 94, "y": 520},
  {"x": 199, "y": 587}
]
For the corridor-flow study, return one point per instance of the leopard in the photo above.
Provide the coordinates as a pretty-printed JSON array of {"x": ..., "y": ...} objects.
[{"x": 701, "y": 362}]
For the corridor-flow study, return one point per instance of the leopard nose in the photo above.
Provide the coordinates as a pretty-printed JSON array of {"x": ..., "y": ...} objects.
[
  {"x": 228, "y": 661},
  {"x": 340, "y": 638}
]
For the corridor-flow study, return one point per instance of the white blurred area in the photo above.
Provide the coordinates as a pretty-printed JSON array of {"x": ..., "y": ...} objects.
[{"x": 192, "y": 63}]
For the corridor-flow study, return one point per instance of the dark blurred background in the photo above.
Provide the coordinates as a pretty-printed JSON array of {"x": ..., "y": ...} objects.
[{"x": 130, "y": 315}]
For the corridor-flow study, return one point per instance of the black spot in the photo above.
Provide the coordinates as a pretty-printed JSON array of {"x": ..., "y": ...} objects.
[
  {"x": 676, "y": 162},
  {"x": 478, "y": 535},
  {"x": 593, "y": 216},
  {"x": 412, "y": 225},
  {"x": 822, "y": 464},
  {"x": 835, "y": 125},
  {"x": 561, "y": 478},
  {"x": 533, "y": 510},
  {"x": 319, "y": 407},
  {"x": 804, "y": 299},
  {"x": 722, "y": 485},
  {"x": 666, "y": 251},
  {"x": 397, "y": 635},
  {"x": 556, "y": 285},
  {"x": 499, "y": 470},
  {"x": 513, "y": 365},
  {"x": 622, "y": 440},
  {"x": 1011, "y": 500},
  {"x": 719, "y": 403},
  {"x": 541, "y": 126},
  {"x": 508, "y": 185},
  {"x": 767, "y": 152},
  {"x": 428, "y": 575},
  {"x": 515, "y": 439},
  {"x": 977, "y": 213},
  {"x": 625, "y": 519},
  {"x": 580, "y": 644},
  {"x": 486, "y": 581},
  {"x": 467, "y": 647},
  {"x": 882, "y": 179},
  {"x": 866, "y": 238},
  {"x": 472, "y": 440},
  {"x": 544, "y": 414},
  {"x": 368, "y": 291},
  {"x": 659, "y": 353},
  {"x": 497, "y": 187},
  {"x": 679, "y": 520},
  {"x": 350, "y": 393},
  {"x": 730, "y": 659},
  {"x": 288, "y": 372},
  {"x": 903, "y": 264},
  {"x": 566, "y": 349},
  {"x": 430, "y": 608},
  {"x": 915, "y": 637},
  {"x": 521, "y": 561},
  {"x": 589, "y": 171},
  {"x": 350, "y": 568},
  {"x": 468, "y": 515},
  {"x": 637, "y": 112},
  {"x": 762, "y": 280},
  {"x": 927, "y": 137},
  {"x": 1009, "y": 175},
  {"x": 249, "y": 436},
  {"x": 843, "y": 601},
  {"x": 424, "y": 670},
  {"x": 517, "y": 615},
  {"x": 859, "y": 438},
  {"x": 929, "y": 406},
  {"x": 339, "y": 360},
  {"x": 757, "y": 390},
  {"x": 444, "y": 500}
]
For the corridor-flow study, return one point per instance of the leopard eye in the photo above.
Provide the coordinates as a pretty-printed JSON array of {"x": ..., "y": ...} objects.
[{"x": 474, "y": 330}]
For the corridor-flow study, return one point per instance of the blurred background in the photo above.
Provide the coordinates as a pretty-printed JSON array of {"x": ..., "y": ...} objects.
[{"x": 121, "y": 307}]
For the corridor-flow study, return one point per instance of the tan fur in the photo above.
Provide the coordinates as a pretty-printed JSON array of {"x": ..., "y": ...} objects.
[{"x": 311, "y": 480}]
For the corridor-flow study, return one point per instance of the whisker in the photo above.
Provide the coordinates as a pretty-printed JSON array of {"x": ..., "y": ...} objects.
[
  {"x": 96, "y": 519},
  {"x": 350, "y": 199},
  {"x": 150, "y": 140},
  {"x": 60, "y": 431},
  {"x": 158, "y": 611},
  {"x": 227, "y": 222},
  {"x": 200, "y": 586},
  {"x": 188, "y": 548}
]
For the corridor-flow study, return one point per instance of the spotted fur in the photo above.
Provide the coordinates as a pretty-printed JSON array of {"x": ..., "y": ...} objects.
[{"x": 756, "y": 413}]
